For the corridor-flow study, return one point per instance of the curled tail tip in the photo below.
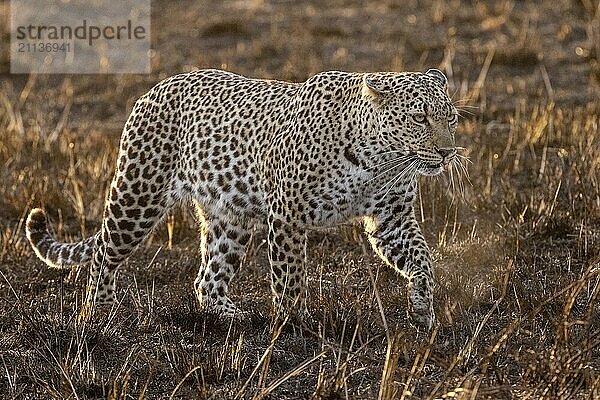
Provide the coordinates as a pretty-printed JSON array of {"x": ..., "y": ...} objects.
[
  {"x": 55, "y": 254},
  {"x": 36, "y": 215},
  {"x": 36, "y": 230},
  {"x": 37, "y": 222}
]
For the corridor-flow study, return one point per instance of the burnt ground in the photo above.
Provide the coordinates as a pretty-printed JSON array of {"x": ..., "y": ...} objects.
[{"x": 517, "y": 251}]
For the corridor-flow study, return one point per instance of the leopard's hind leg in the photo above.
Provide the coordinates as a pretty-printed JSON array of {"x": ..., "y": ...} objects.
[
  {"x": 140, "y": 195},
  {"x": 127, "y": 221}
]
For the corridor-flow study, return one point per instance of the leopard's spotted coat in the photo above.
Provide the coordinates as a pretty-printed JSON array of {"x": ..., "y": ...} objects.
[{"x": 250, "y": 152}]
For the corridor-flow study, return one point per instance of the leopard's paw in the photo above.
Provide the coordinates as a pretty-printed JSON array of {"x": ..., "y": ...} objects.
[{"x": 421, "y": 312}]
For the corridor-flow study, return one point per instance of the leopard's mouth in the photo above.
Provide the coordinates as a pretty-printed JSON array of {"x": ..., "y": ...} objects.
[{"x": 432, "y": 169}]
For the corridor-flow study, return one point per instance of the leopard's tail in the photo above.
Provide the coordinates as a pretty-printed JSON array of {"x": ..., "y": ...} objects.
[{"x": 54, "y": 253}]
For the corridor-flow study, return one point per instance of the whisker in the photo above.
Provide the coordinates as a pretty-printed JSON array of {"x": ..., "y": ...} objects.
[
  {"x": 397, "y": 159},
  {"x": 398, "y": 176},
  {"x": 392, "y": 182},
  {"x": 395, "y": 182},
  {"x": 464, "y": 102},
  {"x": 465, "y": 170},
  {"x": 452, "y": 180},
  {"x": 460, "y": 112},
  {"x": 397, "y": 162},
  {"x": 463, "y": 173},
  {"x": 410, "y": 185},
  {"x": 451, "y": 184},
  {"x": 464, "y": 158},
  {"x": 463, "y": 190},
  {"x": 461, "y": 186},
  {"x": 407, "y": 152}
]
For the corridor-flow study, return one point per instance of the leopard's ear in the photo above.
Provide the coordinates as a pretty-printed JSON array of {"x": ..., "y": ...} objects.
[
  {"x": 439, "y": 77},
  {"x": 373, "y": 89}
]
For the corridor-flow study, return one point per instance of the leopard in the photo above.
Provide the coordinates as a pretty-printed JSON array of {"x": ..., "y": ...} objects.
[{"x": 285, "y": 157}]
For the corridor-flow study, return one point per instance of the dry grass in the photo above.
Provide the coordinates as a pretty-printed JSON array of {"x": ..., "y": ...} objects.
[{"x": 517, "y": 251}]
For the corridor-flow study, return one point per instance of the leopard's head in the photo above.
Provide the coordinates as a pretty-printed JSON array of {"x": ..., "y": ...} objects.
[{"x": 415, "y": 117}]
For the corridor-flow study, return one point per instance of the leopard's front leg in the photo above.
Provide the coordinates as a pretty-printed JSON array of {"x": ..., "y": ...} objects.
[
  {"x": 287, "y": 252},
  {"x": 396, "y": 237}
]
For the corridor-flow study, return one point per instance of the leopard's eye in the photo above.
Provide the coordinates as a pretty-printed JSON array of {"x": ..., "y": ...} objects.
[
  {"x": 419, "y": 118},
  {"x": 453, "y": 119}
]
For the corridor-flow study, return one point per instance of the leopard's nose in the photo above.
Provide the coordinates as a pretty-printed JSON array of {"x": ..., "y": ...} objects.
[{"x": 446, "y": 152}]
